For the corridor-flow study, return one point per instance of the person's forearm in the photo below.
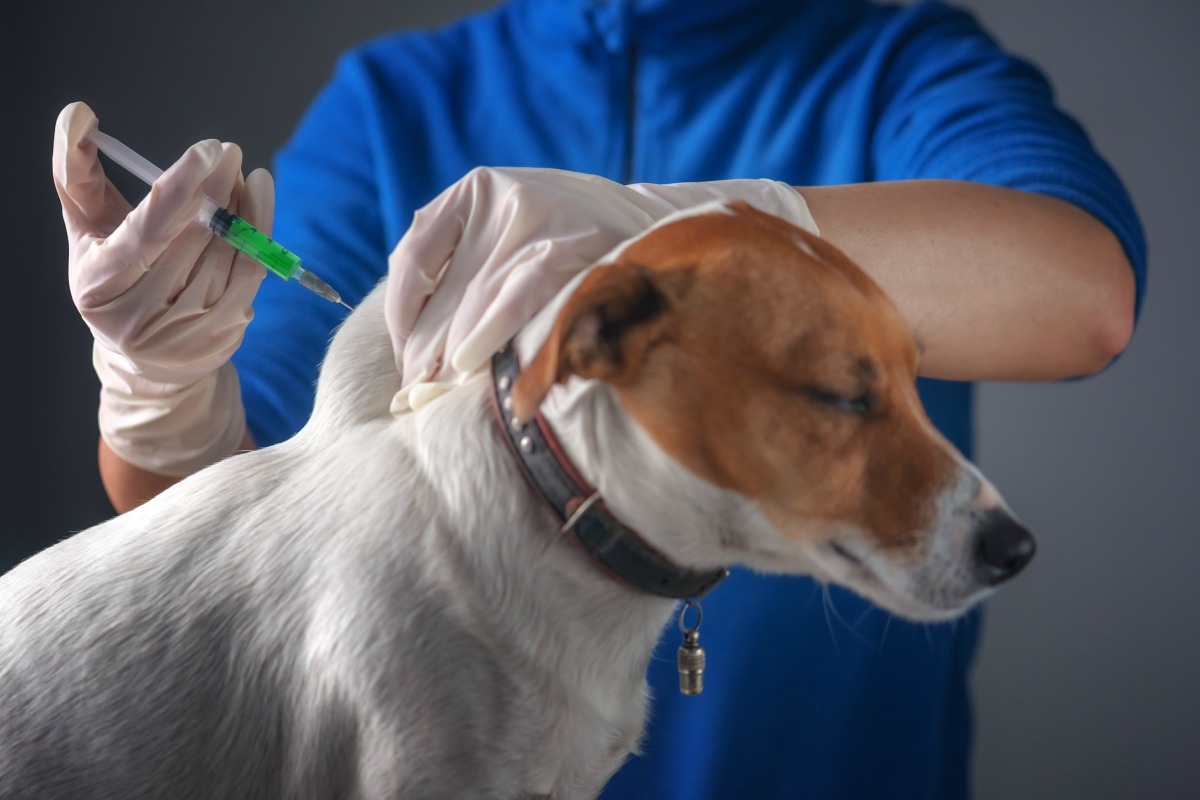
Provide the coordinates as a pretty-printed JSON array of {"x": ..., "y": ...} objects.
[
  {"x": 128, "y": 486},
  {"x": 997, "y": 284}
]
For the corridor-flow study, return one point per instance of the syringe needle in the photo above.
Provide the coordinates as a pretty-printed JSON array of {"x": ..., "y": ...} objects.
[
  {"x": 309, "y": 280},
  {"x": 225, "y": 224}
]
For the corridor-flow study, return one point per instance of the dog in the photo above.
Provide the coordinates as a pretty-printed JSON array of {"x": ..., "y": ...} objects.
[{"x": 383, "y": 606}]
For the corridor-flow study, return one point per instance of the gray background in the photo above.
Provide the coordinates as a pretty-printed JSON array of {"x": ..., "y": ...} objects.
[{"x": 1086, "y": 682}]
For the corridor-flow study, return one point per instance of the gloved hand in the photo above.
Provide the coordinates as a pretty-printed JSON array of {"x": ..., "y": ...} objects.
[
  {"x": 166, "y": 302},
  {"x": 489, "y": 252}
]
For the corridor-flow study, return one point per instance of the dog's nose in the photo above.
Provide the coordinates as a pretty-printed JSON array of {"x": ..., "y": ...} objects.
[{"x": 1002, "y": 548}]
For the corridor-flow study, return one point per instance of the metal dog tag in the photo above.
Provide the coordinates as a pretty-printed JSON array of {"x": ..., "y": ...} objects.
[
  {"x": 690, "y": 657},
  {"x": 691, "y": 664}
]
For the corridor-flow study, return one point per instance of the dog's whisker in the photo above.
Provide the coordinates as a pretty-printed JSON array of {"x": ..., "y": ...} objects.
[
  {"x": 828, "y": 620},
  {"x": 866, "y": 612},
  {"x": 837, "y": 615},
  {"x": 887, "y": 625}
]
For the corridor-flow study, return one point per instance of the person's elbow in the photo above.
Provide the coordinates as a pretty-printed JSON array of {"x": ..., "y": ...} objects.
[{"x": 1107, "y": 318}]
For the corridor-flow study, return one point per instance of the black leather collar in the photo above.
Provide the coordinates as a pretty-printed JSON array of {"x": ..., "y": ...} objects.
[{"x": 618, "y": 550}]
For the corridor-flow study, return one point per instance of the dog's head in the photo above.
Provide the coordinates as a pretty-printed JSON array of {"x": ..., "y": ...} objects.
[{"x": 764, "y": 361}]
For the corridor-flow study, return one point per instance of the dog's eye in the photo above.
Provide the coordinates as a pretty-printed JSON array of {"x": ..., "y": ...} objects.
[{"x": 859, "y": 405}]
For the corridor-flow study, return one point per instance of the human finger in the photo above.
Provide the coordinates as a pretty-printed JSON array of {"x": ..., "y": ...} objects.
[
  {"x": 108, "y": 270},
  {"x": 415, "y": 265},
  {"x": 90, "y": 202}
]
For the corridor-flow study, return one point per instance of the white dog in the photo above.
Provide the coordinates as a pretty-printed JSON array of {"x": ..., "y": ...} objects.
[{"x": 382, "y": 607}]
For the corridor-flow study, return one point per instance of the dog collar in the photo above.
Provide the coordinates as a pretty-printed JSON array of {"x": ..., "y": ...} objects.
[{"x": 616, "y": 548}]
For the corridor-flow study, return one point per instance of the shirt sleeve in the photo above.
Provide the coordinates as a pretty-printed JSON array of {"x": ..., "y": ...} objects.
[
  {"x": 954, "y": 105},
  {"x": 327, "y": 212}
]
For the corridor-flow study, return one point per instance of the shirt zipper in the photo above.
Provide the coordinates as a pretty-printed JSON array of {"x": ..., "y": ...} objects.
[
  {"x": 616, "y": 31},
  {"x": 630, "y": 112}
]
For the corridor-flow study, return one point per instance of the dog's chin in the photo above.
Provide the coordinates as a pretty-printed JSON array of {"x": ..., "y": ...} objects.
[
  {"x": 908, "y": 606},
  {"x": 911, "y": 600}
]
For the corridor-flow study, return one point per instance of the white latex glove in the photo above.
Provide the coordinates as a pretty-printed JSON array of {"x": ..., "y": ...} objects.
[
  {"x": 166, "y": 301},
  {"x": 489, "y": 252}
]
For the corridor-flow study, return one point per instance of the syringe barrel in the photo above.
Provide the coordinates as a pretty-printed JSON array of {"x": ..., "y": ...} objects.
[{"x": 249, "y": 239}]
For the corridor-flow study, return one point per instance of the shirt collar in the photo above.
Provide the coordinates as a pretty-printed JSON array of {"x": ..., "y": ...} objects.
[{"x": 614, "y": 22}]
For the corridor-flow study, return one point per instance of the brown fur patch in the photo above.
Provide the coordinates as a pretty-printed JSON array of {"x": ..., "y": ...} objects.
[{"x": 763, "y": 360}]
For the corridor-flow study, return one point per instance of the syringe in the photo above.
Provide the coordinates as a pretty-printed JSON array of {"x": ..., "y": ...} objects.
[{"x": 224, "y": 223}]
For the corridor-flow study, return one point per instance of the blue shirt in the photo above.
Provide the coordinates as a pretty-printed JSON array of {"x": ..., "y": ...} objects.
[{"x": 810, "y": 693}]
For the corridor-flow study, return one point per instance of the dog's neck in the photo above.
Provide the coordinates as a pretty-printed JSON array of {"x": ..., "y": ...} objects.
[{"x": 501, "y": 550}]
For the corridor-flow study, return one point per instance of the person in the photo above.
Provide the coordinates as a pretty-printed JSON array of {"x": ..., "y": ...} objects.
[{"x": 936, "y": 160}]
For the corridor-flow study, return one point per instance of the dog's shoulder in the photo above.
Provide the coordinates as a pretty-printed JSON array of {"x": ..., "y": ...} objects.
[{"x": 359, "y": 374}]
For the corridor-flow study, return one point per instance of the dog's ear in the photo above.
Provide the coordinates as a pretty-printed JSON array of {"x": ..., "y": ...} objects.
[{"x": 603, "y": 332}]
